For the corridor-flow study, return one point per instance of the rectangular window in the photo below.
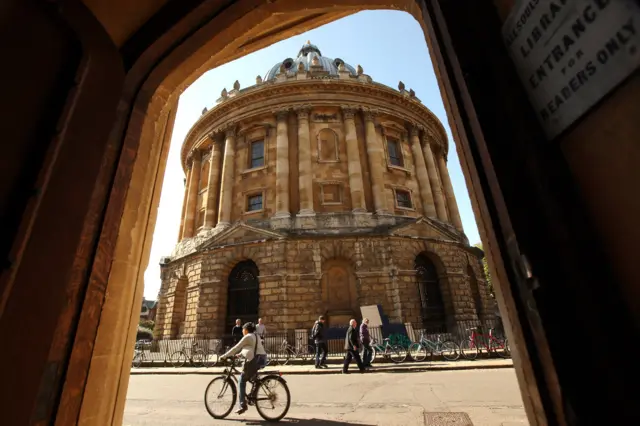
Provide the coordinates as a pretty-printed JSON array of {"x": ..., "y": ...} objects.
[
  {"x": 403, "y": 199},
  {"x": 331, "y": 194},
  {"x": 200, "y": 222},
  {"x": 395, "y": 152},
  {"x": 257, "y": 154},
  {"x": 254, "y": 202}
]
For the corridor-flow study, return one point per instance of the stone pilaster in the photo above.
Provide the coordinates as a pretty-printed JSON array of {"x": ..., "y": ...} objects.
[
  {"x": 375, "y": 152},
  {"x": 184, "y": 203},
  {"x": 448, "y": 191},
  {"x": 282, "y": 169},
  {"x": 436, "y": 186},
  {"x": 192, "y": 198},
  {"x": 428, "y": 205},
  {"x": 213, "y": 184},
  {"x": 304, "y": 160},
  {"x": 226, "y": 186},
  {"x": 353, "y": 157}
]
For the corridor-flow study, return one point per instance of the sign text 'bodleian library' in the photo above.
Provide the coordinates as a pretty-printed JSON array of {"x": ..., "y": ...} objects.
[{"x": 571, "y": 53}]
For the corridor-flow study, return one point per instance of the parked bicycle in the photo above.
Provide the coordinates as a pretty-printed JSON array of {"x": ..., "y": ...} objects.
[
  {"x": 449, "y": 349},
  {"x": 396, "y": 353},
  {"x": 301, "y": 350},
  {"x": 269, "y": 393},
  {"x": 139, "y": 355},
  {"x": 476, "y": 341},
  {"x": 197, "y": 356}
]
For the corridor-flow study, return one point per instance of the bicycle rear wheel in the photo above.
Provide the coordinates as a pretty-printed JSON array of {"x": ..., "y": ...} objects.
[
  {"x": 469, "y": 349},
  {"x": 199, "y": 358},
  {"x": 307, "y": 352},
  {"x": 373, "y": 354},
  {"x": 417, "y": 352},
  {"x": 501, "y": 348},
  {"x": 137, "y": 359},
  {"x": 450, "y": 350},
  {"x": 178, "y": 358},
  {"x": 220, "y": 397},
  {"x": 398, "y": 354},
  {"x": 272, "y": 398},
  {"x": 284, "y": 357}
]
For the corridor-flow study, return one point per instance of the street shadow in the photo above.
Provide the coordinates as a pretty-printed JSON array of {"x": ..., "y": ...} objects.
[{"x": 302, "y": 422}]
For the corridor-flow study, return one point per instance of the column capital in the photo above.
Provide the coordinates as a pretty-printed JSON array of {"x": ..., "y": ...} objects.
[
  {"x": 281, "y": 114},
  {"x": 194, "y": 155},
  {"x": 369, "y": 114},
  {"x": 230, "y": 131},
  {"x": 348, "y": 111},
  {"x": 302, "y": 111}
]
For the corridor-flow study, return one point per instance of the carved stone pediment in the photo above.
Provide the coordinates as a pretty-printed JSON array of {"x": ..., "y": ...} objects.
[
  {"x": 239, "y": 233},
  {"x": 426, "y": 228}
]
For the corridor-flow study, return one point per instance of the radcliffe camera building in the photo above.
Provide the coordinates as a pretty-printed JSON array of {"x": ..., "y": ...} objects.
[{"x": 317, "y": 191}]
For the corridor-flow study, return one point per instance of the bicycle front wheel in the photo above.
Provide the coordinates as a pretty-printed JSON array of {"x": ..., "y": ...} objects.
[
  {"x": 307, "y": 352},
  {"x": 501, "y": 348},
  {"x": 199, "y": 359},
  {"x": 373, "y": 354},
  {"x": 469, "y": 349},
  {"x": 398, "y": 354},
  {"x": 178, "y": 359},
  {"x": 272, "y": 398},
  {"x": 137, "y": 360},
  {"x": 450, "y": 350},
  {"x": 220, "y": 397},
  {"x": 417, "y": 352}
]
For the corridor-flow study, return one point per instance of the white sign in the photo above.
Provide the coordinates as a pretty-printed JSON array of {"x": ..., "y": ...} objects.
[{"x": 571, "y": 53}]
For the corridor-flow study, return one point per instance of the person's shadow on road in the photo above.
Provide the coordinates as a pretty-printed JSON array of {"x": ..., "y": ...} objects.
[{"x": 305, "y": 422}]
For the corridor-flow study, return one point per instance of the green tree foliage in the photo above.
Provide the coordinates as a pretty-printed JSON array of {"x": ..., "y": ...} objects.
[
  {"x": 485, "y": 266},
  {"x": 144, "y": 334},
  {"x": 145, "y": 323}
]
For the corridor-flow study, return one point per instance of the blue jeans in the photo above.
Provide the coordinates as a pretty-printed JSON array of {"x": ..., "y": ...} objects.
[{"x": 242, "y": 381}]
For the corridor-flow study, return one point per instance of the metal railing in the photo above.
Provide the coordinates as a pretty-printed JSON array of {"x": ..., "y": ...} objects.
[{"x": 160, "y": 352}]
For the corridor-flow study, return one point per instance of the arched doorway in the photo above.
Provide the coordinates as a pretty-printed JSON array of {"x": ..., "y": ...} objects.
[
  {"x": 339, "y": 292},
  {"x": 243, "y": 293},
  {"x": 475, "y": 292},
  {"x": 431, "y": 304}
]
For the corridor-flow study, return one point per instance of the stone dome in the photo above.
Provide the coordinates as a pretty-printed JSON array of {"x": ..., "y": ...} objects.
[{"x": 306, "y": 57}]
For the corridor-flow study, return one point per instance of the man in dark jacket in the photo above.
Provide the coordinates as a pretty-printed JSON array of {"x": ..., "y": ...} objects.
[
  {"x": 236, "y": 332},
  {"x": 365, "y": 340},
  {"x": 351, "y": 345},
  {"x": 317, "y": 334}
]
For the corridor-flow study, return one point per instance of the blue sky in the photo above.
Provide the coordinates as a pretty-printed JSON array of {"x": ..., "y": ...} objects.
[{"x": 389, "y": 45}]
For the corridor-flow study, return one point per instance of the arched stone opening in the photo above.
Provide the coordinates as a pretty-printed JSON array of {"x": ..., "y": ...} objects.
[
  {"x": 432, "y": 307},
  {"x": 340, "y": 296},
  {"x": 475, "y": 292},
  {"x": 243, "y": 293}
]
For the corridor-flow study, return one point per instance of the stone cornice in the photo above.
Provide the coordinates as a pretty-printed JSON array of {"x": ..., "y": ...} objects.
[{"x": 371, "y": 96}]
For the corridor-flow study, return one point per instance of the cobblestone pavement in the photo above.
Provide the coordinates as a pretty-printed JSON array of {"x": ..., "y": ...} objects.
[{"x": 488, "y": 397}]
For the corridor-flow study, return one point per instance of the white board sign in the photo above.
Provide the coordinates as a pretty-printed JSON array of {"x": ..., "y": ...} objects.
[{"x": 571, "y": 53}]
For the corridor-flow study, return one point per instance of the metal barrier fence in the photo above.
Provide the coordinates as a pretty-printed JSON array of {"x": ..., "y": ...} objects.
[{"x": 299, "y": 345}]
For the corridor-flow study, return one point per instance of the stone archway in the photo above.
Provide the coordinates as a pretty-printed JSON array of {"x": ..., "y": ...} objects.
[
  {"x": 339, "y": 292},
  {"x": 243, "y": 293},
  {"x": 432, "y": 308}
]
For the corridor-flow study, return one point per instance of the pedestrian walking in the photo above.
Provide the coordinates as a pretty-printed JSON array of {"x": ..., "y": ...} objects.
[
  {"x": 317, "y": 334},
  {"x": 365, "y": 340},
  {"x": 261, "y": 330},
  {"x": 351, "y": 345},
  {"x": 236, "y": 332}
]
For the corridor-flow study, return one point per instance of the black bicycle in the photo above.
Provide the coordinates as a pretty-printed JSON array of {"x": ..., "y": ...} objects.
[{"x": 269, "y": 393}]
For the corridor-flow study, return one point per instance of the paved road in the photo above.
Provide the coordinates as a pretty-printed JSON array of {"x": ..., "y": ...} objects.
[{"x": 488, "y": 397}]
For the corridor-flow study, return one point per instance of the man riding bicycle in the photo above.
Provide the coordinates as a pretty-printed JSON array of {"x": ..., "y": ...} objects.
[{"x": 252, "y": 350}]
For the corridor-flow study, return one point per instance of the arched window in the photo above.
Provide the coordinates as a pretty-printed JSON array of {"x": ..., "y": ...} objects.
[
  {"x": 243, "y": 297},
  {"x": 475, "y": 291},
  {"x": 328, "y": 146},
  {"x": 432, "y": 306}
]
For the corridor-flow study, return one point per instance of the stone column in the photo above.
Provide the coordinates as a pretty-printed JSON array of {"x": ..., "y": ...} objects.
[
  {"x": 305, "y": 175},
  {"x": 226, "y": 186},
  {"x": 448, "y": 192},
  {"x": 282, "y": 165},
  {"x": 428, "y": 206},
  {"x": 375, "y": 152},
  {"x": 213, "y": 184},
  {"x": 184, "y": 203},
  {"x": 436, "y": 187},
  {"x": 192, "y": 198},
  {"x": 353, "y": 157}
]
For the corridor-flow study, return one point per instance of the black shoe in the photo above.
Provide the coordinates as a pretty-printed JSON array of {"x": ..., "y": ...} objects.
[
  {"x": 317, "y": 367},
  {"x": 345, "y": 372},
  {"x": 241, "y": 409},
  {"x": 324, "y": 366}
]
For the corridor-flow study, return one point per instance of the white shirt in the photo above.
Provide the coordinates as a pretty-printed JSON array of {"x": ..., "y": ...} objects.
[
  {"x": 245, "y": 347},
  {"x": 261, "y": 330}
]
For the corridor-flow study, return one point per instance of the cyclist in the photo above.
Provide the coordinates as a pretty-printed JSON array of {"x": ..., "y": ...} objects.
[{"x": 249, "y": 347}]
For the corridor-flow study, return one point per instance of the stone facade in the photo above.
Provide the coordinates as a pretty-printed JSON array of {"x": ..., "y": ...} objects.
[{"x": 317, "y": 191}]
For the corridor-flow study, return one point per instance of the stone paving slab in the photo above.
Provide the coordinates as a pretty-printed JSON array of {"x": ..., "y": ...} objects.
[{"x": 337, "y": 368}]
